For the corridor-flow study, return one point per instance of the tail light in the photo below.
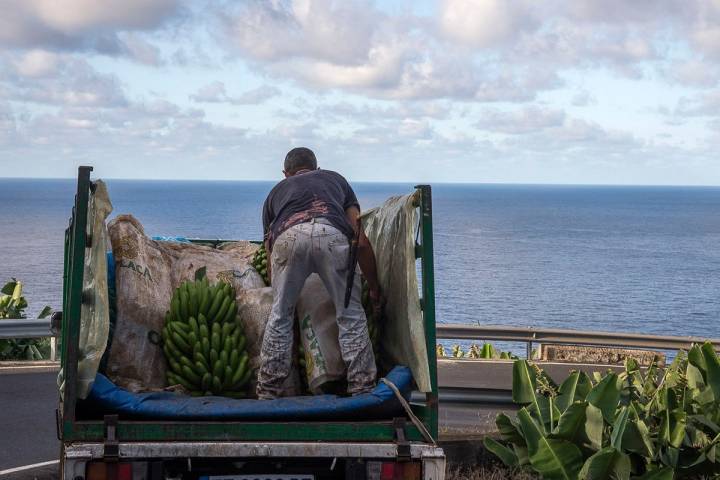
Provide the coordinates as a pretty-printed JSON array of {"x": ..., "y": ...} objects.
[
  {"x": 109, "y": 471},
  {"x": 394, "y": 471}
]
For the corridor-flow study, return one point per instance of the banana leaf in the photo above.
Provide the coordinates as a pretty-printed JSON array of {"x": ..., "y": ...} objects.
[
  {"x": 665, "y": 473},
  {"x": 530, "y": 429},
  {"x": 9, "y": 287},
  {"x": 713, "y": 368},
  {"x": 575, "y": 387},
  {"x": 694, "y": 377},
  {"x": 581, "y": 424},
  {"x": 557, "y": 459},
  {"x": 608, "y": 463},
  {"x": 524, "y": 383},
  {"x": 670, "y": 456},
  {"x": 650, "y": 379},
  {"x": 509, "y": 430},
  {"x": 618, "y": 429},
  {"x": 636, "y": 439},
  {"x": 507, "y": 456},
  {"x": 697, "y": 359},
  {"x": 550, "y": 457},
  {"x": 672, "y": 428},
  {"x": 605, "y": 396}
]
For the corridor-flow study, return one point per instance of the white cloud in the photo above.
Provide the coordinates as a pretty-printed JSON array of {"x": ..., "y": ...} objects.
[
  {"x": 141, "y": 50},
  {"x": 703, "y": 104},
  {"x": 582, "y": 99},
  {"x": 215, "y": 93},
  {"x": 337, "y": 31},
  {"x": 36, "y": 63},
  {"x": 58, "y": 79},
  {"x": 530, "y": 119},
  {"x": 82, "y": 24},
  {"x": 693, "y": 73},
  {"x": 354, "y": 46},
  {"x": 485, "y": 23}
]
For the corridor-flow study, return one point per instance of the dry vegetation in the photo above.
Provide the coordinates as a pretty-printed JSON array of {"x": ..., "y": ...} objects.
[{"x": 489, "y": 472}]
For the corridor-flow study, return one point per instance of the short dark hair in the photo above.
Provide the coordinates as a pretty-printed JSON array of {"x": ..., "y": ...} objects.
[{"x": 299, "y": 158}]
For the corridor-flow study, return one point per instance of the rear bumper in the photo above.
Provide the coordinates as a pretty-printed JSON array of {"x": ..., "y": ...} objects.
[
  {"x": 77, "y": 454},
  {"x": 93, "y": 451}
]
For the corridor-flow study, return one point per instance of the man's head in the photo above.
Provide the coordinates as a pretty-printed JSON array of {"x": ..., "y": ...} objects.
[{"x": 298, "y": 159}]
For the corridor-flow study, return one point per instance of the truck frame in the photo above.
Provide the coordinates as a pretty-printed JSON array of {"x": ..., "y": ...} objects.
[{"x": 192, "y": 449}]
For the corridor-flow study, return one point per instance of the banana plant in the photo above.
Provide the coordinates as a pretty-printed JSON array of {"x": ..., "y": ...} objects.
[
  {"x": 635, "y": 424},
  {"x": 485, "y": 352},
  {"x": 12, "y": 306}
]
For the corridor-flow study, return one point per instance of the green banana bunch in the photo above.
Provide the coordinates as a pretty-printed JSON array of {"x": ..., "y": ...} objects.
[
  {"x": 260, "y": 263},
  {"x": 203, "y": 340}
]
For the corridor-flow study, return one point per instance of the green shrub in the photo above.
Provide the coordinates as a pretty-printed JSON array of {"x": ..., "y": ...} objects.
[
  {"x": 637, "y": 424},
  {"x": 12, "y": 306}
]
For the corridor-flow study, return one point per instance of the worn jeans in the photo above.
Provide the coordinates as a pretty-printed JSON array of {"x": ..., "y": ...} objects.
[{"x": 298, "y": 252}]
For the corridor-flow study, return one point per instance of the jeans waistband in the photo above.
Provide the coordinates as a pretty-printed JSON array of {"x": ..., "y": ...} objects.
[{"x": 321, "y": 220}]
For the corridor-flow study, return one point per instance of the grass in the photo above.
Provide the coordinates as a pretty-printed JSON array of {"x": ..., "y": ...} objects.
[{"x": 489, "y": 472}]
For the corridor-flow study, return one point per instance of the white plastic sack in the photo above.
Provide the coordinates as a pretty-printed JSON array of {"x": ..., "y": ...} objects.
[
  {"x": 391, "y": 229},
  {"x": 319, "y": 335},
  {"x": 94, "y": 315},
  {"x": 254, "y": 309},
  {"x": 147, "y": 272},
  {"x": 144, "y": 287}
]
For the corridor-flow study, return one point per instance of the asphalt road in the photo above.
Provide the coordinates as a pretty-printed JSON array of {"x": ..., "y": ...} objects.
[{"x": 27, "y": 419}]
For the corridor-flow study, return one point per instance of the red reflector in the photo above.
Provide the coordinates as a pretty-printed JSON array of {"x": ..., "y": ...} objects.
[
  {"x": 387, "y": 471},
  {"x": 124, "y": 471}
]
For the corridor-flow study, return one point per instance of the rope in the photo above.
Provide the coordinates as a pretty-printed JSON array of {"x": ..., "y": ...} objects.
[{"x": 415, "y": 420}]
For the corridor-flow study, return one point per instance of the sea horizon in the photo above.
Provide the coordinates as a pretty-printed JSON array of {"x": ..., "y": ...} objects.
[
  {"x": 399, "y": 182},
  {"x": 591, "y": 257}
]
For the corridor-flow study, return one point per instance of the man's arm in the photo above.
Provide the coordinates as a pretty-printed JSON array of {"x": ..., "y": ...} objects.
[
  {"x": 269, "y": 262},
  {"x": 268, "y": 217},
  {"x": 366, "y": 258}
]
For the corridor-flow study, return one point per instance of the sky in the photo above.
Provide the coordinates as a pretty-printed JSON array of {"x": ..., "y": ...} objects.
[{"x": 497, "y": 91}]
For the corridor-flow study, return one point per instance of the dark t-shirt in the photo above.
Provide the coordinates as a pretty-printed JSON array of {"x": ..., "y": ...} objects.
[{"x": 302, "y": 197}]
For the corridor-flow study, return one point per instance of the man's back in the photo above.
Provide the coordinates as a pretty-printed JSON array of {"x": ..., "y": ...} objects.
[{"x": 307, "y": 195}]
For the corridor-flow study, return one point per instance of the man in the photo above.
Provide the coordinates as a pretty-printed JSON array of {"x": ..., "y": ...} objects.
[{"x": 310, "y": 219}]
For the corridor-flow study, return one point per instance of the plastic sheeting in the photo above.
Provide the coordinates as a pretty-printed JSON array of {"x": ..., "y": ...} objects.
[
  {"x": 391, "y": 229},
  {"x": 381, "y": 403},
  {"x": 95, "y": 315}
]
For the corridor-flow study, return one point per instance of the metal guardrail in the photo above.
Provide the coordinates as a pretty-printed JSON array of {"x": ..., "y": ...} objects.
[
  {"x": 530, "y": 335},
  {"x": 29, "y": 329},
  {"x": 25, "y": 329}
]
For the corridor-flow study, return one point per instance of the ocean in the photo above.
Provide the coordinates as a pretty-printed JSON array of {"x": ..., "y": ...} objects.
[{"x": 623, "y": 259}]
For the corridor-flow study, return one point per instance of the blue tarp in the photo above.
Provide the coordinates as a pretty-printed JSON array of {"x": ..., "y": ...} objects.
[{"x": 381, "y": 403}]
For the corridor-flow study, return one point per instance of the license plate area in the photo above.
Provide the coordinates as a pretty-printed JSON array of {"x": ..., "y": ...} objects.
[{"x": 259, "y": 476}]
